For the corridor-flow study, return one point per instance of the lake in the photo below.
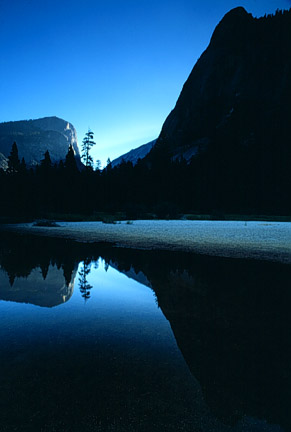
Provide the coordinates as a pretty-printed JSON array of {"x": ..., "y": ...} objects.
[{"x": 96, "y": 338}]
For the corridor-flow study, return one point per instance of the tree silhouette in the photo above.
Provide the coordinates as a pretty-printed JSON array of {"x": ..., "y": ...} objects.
[
  {"x": 87, "y": 144},
  {"x": 13, "y": 160},
  {"x": 84, "y": 286},
  {"x": 46, "y": 161},
  {"x": 46, "y": 164},
  {"x": 22, "y": 166},
  {"x": 70, "y": 162},
  {"x": 98, "y": 165}
]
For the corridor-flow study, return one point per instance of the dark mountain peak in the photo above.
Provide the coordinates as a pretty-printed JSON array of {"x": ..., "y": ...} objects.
[
  {"x": 232, "y": 26},
  {"x": 236, "y": 12},
  {"x": 237, "y": 95}
]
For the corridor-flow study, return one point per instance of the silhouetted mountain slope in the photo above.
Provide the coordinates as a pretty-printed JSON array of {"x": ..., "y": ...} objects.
[
  {"x": 240, "y": 88},
  {"x": 35, "y": 137},
  {"x": 134, "y": 155},
  {"x": 233, "y": 115}
]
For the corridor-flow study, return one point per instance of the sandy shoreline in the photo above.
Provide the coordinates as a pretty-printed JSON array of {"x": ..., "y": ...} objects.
[{"x": 255, "y": 240}]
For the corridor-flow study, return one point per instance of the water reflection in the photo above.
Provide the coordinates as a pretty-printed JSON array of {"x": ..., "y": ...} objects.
[
  {"x": 230, "y": 319},
  {"x": 232, "y": 322},
  {"x": 84, "y": 286},
  {"x": 47, "y": 289}
]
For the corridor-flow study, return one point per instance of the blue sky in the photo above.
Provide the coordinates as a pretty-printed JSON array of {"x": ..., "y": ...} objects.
[{"x": 116, "y": 66}]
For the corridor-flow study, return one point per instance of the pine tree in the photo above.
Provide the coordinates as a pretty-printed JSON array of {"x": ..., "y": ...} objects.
[
  {"x": 46, "y": 162},
  {"x": 70, "y": 162},
  {"x": 87, "y": 144},
  {"x": 13, "y": 160},
  {"x": 98, "y": 165},
  {"x": 22, "y": 166},
  {"x": 108, "y": 165}
]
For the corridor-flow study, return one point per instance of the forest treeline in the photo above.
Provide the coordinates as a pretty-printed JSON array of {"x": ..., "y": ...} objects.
[{"x": 223, "y": 180}]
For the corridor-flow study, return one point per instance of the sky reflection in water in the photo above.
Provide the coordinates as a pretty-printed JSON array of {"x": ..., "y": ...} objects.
[
  {"x": 107, "y": 360},
  {"x": 119, "y": 310},
  {"x": 108, "y": 357}
]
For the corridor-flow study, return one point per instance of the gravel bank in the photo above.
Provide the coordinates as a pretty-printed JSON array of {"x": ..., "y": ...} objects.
[{"x": 259, "y": 240}]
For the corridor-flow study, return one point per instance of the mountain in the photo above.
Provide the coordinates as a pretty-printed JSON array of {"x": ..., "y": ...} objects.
[
  {"x": 239, "y": 90},
  {"x": 49, "y": 291},
  {"x": 34, "y": 137},
  {"x": 3, "y": 162},
  {"x": 231, "y": 328},
  {"x": 134, "y": 155},
  {"x": 231, "y": 123}
]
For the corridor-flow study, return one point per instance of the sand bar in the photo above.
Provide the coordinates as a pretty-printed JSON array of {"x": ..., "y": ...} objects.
[{"x": 257, "y": 240}]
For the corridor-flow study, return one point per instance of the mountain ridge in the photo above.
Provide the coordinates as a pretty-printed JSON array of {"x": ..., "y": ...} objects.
[{"x": 35, "y": 137}]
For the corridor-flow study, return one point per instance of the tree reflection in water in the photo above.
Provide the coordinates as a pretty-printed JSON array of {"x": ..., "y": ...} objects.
[{"x": 84, "y": 285}]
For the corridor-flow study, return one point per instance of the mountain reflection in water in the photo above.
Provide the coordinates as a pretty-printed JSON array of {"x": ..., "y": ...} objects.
[{"x": 113, "y": 364}]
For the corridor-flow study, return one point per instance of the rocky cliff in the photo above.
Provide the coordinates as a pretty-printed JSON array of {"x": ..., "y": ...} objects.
[
  {"x": 239, "y": 90},
  {"x": 34, "y": 137},
  {"x": 3, "y": 162}
]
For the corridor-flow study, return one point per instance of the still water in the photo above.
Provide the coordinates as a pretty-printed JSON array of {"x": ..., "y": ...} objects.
[{"x": 101, "y": 339}]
